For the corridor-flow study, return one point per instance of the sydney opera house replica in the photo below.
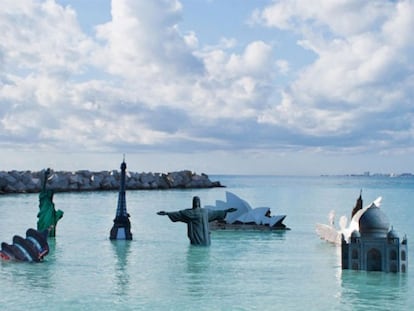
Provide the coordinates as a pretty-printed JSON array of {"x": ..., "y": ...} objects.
[{"x": 246, "y": 217}]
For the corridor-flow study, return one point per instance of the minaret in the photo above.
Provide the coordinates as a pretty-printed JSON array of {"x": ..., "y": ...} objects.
[
  {"x": 122, "y": 226},
  {"x": 358, "y": 205}
]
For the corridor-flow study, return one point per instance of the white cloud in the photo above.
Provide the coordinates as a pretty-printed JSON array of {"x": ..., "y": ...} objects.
[
  {"x": 42, "y": 37},
  {"x": 283, "y": 66},
  {"x": 143, "y": 82},
  {"x": 143, "y": 41},
  {"x": 360, "y": 62},
  {"x": 152, "y": 69},
  {"x": 342, "y": 17},
  {"x": 254, "y": 61}
]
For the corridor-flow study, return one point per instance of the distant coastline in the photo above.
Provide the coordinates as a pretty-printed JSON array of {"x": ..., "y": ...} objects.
[
  {"x": 84, "y": 180},
  {"x": 368, "y": 174}
]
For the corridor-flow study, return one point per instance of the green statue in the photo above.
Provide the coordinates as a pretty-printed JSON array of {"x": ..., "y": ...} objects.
[{"x": 47, "y": 216}]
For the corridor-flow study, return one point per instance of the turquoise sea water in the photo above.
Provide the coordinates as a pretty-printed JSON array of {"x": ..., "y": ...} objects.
[{"x": 159, "y": 270}]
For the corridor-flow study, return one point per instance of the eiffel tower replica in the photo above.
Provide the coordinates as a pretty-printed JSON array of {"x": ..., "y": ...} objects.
[{"x": 121, "y": 229}]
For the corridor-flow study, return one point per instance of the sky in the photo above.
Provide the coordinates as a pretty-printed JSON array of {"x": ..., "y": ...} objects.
[{"x": 281, "y": 87}]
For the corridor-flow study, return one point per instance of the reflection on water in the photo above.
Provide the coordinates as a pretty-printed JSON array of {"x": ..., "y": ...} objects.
[
  {"x": 29, "y": 279},
  {"x": 121, "y": 250},
  {"x": 37, "y": 275},
  {"x": 159, "y": 270},
  {"x": 249, "y": 236},
  {"x": 369, "y": 290},
  {"x": 197, "y": 270}
]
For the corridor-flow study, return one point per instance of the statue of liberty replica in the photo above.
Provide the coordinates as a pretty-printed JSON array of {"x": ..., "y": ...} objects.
[
  {"x": 48, "y": 216},
  {"x": 121, "y": 229}
]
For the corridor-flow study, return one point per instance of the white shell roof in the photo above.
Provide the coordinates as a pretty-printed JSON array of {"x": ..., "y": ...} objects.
[{"x": 245, "y": 213}]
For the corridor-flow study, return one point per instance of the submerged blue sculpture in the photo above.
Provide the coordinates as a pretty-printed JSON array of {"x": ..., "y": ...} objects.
[
  {"x": 31, "y": 249},
  {"x": 121, "y": 229},
  {"x": 197, "y": 220}
]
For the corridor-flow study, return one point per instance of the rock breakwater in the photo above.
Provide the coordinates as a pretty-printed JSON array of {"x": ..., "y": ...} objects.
[{"x": 84, "y": 180}]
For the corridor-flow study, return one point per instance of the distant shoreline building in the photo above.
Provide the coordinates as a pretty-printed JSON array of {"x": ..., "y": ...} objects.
[{"x": 374, "y": 247}]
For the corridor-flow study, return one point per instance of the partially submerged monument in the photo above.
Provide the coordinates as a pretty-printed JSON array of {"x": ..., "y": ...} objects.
[
  {"x": 48, "y": 216},
  {"x": 198, "y": 221},
  {"x": 33, "y": 248},
  {"x": 246, "y": 217},
  {"x": 121, "y": 229},
  {"x": 333, "y": 234},
  {"x": 368, "y": 242},
  {"x": 374, "y": 246}
]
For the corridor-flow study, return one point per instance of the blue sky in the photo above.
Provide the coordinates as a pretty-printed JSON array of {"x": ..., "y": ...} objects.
[{"x": 281, "y": 87}]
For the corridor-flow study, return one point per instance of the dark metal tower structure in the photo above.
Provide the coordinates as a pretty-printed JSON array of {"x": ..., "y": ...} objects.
[{"x": 121, "y": 229}]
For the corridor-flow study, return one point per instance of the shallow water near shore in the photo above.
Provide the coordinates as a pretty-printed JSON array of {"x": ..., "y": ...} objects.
[{"x": 159, "y": 270}]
